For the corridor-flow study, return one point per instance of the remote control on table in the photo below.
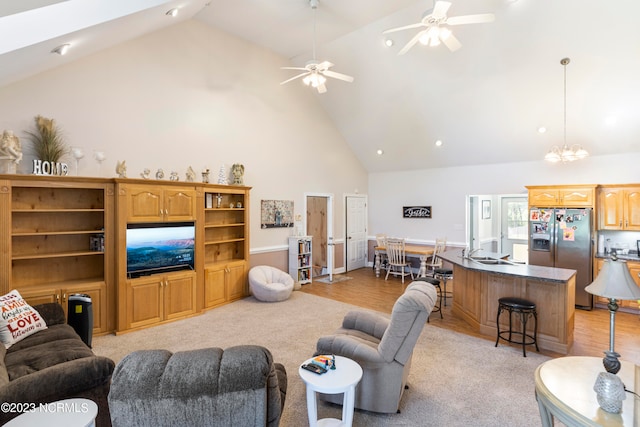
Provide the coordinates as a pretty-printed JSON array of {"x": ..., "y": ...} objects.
[{"x": 314, "y": 368}]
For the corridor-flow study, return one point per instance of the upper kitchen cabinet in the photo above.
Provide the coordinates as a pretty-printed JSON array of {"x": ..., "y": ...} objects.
[
  {"x": 558, "y": 196},
  {"x": 159, "y": 203},
  {"x": 619, "y": 207}
]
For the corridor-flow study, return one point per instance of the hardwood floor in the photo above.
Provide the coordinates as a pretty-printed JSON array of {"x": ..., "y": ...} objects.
[{"x": 591, "y": 334}]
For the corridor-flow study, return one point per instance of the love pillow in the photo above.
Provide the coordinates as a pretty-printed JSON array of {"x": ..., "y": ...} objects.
[{"x": 18, "y": 319}]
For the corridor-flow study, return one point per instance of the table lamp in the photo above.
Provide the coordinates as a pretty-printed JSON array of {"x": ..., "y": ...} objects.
[{"x": 615, "y": 283}]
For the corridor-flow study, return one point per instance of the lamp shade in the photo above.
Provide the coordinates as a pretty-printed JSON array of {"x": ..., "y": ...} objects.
[{"x": 614, "y": 281}]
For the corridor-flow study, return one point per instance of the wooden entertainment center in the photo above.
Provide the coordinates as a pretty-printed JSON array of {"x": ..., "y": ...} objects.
[{"x": 66, "y": 235}]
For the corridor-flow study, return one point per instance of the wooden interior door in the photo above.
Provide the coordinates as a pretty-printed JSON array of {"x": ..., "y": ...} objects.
[{"x": 317, "y": 228}]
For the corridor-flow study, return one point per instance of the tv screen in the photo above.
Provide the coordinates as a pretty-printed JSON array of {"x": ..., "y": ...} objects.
[{"x": 159, "y": 247}]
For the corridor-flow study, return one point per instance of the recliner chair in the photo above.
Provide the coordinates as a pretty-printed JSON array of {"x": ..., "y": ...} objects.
[{"x": 383, "y": 347}]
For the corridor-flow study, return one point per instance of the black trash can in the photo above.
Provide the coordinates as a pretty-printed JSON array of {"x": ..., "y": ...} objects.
[{"x": 80, "y": 316}]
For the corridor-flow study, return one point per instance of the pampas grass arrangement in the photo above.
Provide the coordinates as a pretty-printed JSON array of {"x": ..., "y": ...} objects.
[{"x": 48, "y": 144}]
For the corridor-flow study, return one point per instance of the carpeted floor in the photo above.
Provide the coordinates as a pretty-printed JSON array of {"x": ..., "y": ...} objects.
[{"x": 455, "y": 379}]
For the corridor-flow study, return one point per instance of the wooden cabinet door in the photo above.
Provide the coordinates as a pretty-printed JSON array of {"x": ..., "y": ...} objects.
[
  {"x": 543, "y": 197},
  {"x": 236, "y": 278},
  {"x": 144, "y": 204},
  {"x": 40, "y": 295},
  {"x": 634, "y": 270},
  {"x": 632, "y": 209},
  {"x": 144, "y": 301},
  {"x": 214, "y": 287},
  {"x": 576, "y": 197},
  {"x": 610, "y": 208},
  {"x": 180, "y": 204},
  {"x": 179, "y": 295}
]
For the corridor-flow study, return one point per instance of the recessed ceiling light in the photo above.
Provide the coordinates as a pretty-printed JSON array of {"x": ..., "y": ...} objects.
[
  {"x": 388, "y": 42},
  {"x": 172, "y": 12},
  {"x": 62, "y": 49},
  {"x": 542, "y": 129},
  {"x": 379, "y": 152},
  {"x": 438, "y": 143}
]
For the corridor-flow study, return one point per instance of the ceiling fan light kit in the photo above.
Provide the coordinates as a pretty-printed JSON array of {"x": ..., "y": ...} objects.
[
  {"x": 314, "y": 73},
  {"x": 435, "y": 28},
  {"x": 565, "y": 153}
]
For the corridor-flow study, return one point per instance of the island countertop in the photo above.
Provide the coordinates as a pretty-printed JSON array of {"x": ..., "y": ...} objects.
[
  {"x": 547, "y": 274},
  {"x": 477, "y": 288}
]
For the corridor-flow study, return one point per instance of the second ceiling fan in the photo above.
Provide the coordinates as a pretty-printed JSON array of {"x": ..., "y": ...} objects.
[
  {"x": 434, "y": 22},
  {"x": 315, "y": 73}
]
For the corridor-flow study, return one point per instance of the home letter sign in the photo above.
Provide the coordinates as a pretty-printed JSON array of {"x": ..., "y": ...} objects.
[{"x": 49, "y": 168}]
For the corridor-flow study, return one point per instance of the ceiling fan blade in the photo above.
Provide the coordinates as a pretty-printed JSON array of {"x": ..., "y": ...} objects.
[
  {"x": 451, "y": 42},
  {"x": 324, "y": 65},
  {"x": 413, "y": 41},
  {"x": 322, "y": 88},
  {"x": 338, "y": 76},
  {"x": 440, "y": 9},
  {"x": 406, "y": 27},
  {"x": 471, "y": 19},
  {"x": 295, "y": 77},
  {"x": 293, "y": 68}
]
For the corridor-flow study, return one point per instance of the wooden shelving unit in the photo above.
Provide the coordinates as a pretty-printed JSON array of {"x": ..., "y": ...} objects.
[
  {"x": 51, "y": 224},
  {"x": 65, "y": 235},
  {"x": 225, "y": 244}
]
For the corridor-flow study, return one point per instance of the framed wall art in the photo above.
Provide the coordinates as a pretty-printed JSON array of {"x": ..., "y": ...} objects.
[
  {"x": 486, "y": 209},
  {"x": 276, "y": 213}
]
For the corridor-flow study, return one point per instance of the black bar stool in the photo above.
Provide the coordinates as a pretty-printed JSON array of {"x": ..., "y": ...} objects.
[
  {"x": 436, "y": 284},
  {"x": 444, "y": 274},
  {"x": 524, "y": 309}
]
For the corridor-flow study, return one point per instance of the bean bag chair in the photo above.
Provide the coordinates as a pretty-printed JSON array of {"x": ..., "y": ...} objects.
[{"x": 270, "y": 284}]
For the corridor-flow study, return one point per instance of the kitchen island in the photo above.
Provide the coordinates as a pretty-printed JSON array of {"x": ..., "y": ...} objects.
[{"x": 479, "y": 281}]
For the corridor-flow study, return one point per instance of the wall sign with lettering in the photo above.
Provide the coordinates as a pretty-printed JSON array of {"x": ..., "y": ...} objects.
[{"x": 416, "y": 211}]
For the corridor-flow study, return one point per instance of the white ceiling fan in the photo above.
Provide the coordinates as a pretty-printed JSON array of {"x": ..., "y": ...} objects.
[
  {"x": 435, "y": 31},
  {"x": 315, "y": 73}
]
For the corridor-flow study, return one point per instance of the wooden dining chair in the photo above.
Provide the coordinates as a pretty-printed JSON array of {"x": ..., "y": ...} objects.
[
  {"x": 381, "y": 240},
  {"x": 435, "y": 261},
  {"x": 397, "y": 259}
]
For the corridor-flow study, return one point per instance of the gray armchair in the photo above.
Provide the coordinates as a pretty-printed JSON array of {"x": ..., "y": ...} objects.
[
  {"x": 383, "y": 347},
  {"x": 239, "y": 386}
]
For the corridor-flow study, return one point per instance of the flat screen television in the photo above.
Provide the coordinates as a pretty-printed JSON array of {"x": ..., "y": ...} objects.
[{"x": 154, "y": 248}]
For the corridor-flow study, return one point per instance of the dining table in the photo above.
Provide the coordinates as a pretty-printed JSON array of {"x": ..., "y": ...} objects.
[{"x": 411, "y": 251}]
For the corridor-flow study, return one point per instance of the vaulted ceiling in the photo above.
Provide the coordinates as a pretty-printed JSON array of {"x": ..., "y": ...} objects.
[{"x": 485, "y": 101}]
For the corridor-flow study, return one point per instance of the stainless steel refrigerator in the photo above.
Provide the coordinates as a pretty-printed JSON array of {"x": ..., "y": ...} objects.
[{"x": 562, "y": 238}]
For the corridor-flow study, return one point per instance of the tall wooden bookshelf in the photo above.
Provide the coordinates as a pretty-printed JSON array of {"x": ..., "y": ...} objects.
[
  {"x": 225, "y": 244},
  {"x": 61, "y": 241}
]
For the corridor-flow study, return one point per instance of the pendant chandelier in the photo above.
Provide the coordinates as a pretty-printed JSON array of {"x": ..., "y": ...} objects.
[{"x": 565, "y": 153}]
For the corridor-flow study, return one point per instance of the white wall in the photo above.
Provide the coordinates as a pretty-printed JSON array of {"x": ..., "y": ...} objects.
[
  {"x": 193, "y": 96},
  {"x": 446, "y": 190}
]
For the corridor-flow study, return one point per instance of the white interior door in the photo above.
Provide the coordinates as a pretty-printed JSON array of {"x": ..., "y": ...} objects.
[{"x": 356, "y": 231}]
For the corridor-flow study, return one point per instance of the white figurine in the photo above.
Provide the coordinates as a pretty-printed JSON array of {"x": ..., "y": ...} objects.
[
  {"x": 174, "y": 176},
  {"x": 10, "y": 148},
  {"x": 121, "y": 169},
  {"x": 191, "y": 175},
  {"x": 238, "y": 172},
  {"x": 160, "y": 174},
  {"x": 145, "y": 173}
]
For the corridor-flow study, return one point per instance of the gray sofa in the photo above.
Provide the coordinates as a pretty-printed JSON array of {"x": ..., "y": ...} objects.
[
  {"x": 51, "y": 365},
  {"x": 239, "y": 386},
  {"x": 382, "y": 346}
]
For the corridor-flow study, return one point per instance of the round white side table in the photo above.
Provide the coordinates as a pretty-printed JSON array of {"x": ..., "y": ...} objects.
[
  {"x": 62, "y": 413},
  {"x": 343, "y": 379}
]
